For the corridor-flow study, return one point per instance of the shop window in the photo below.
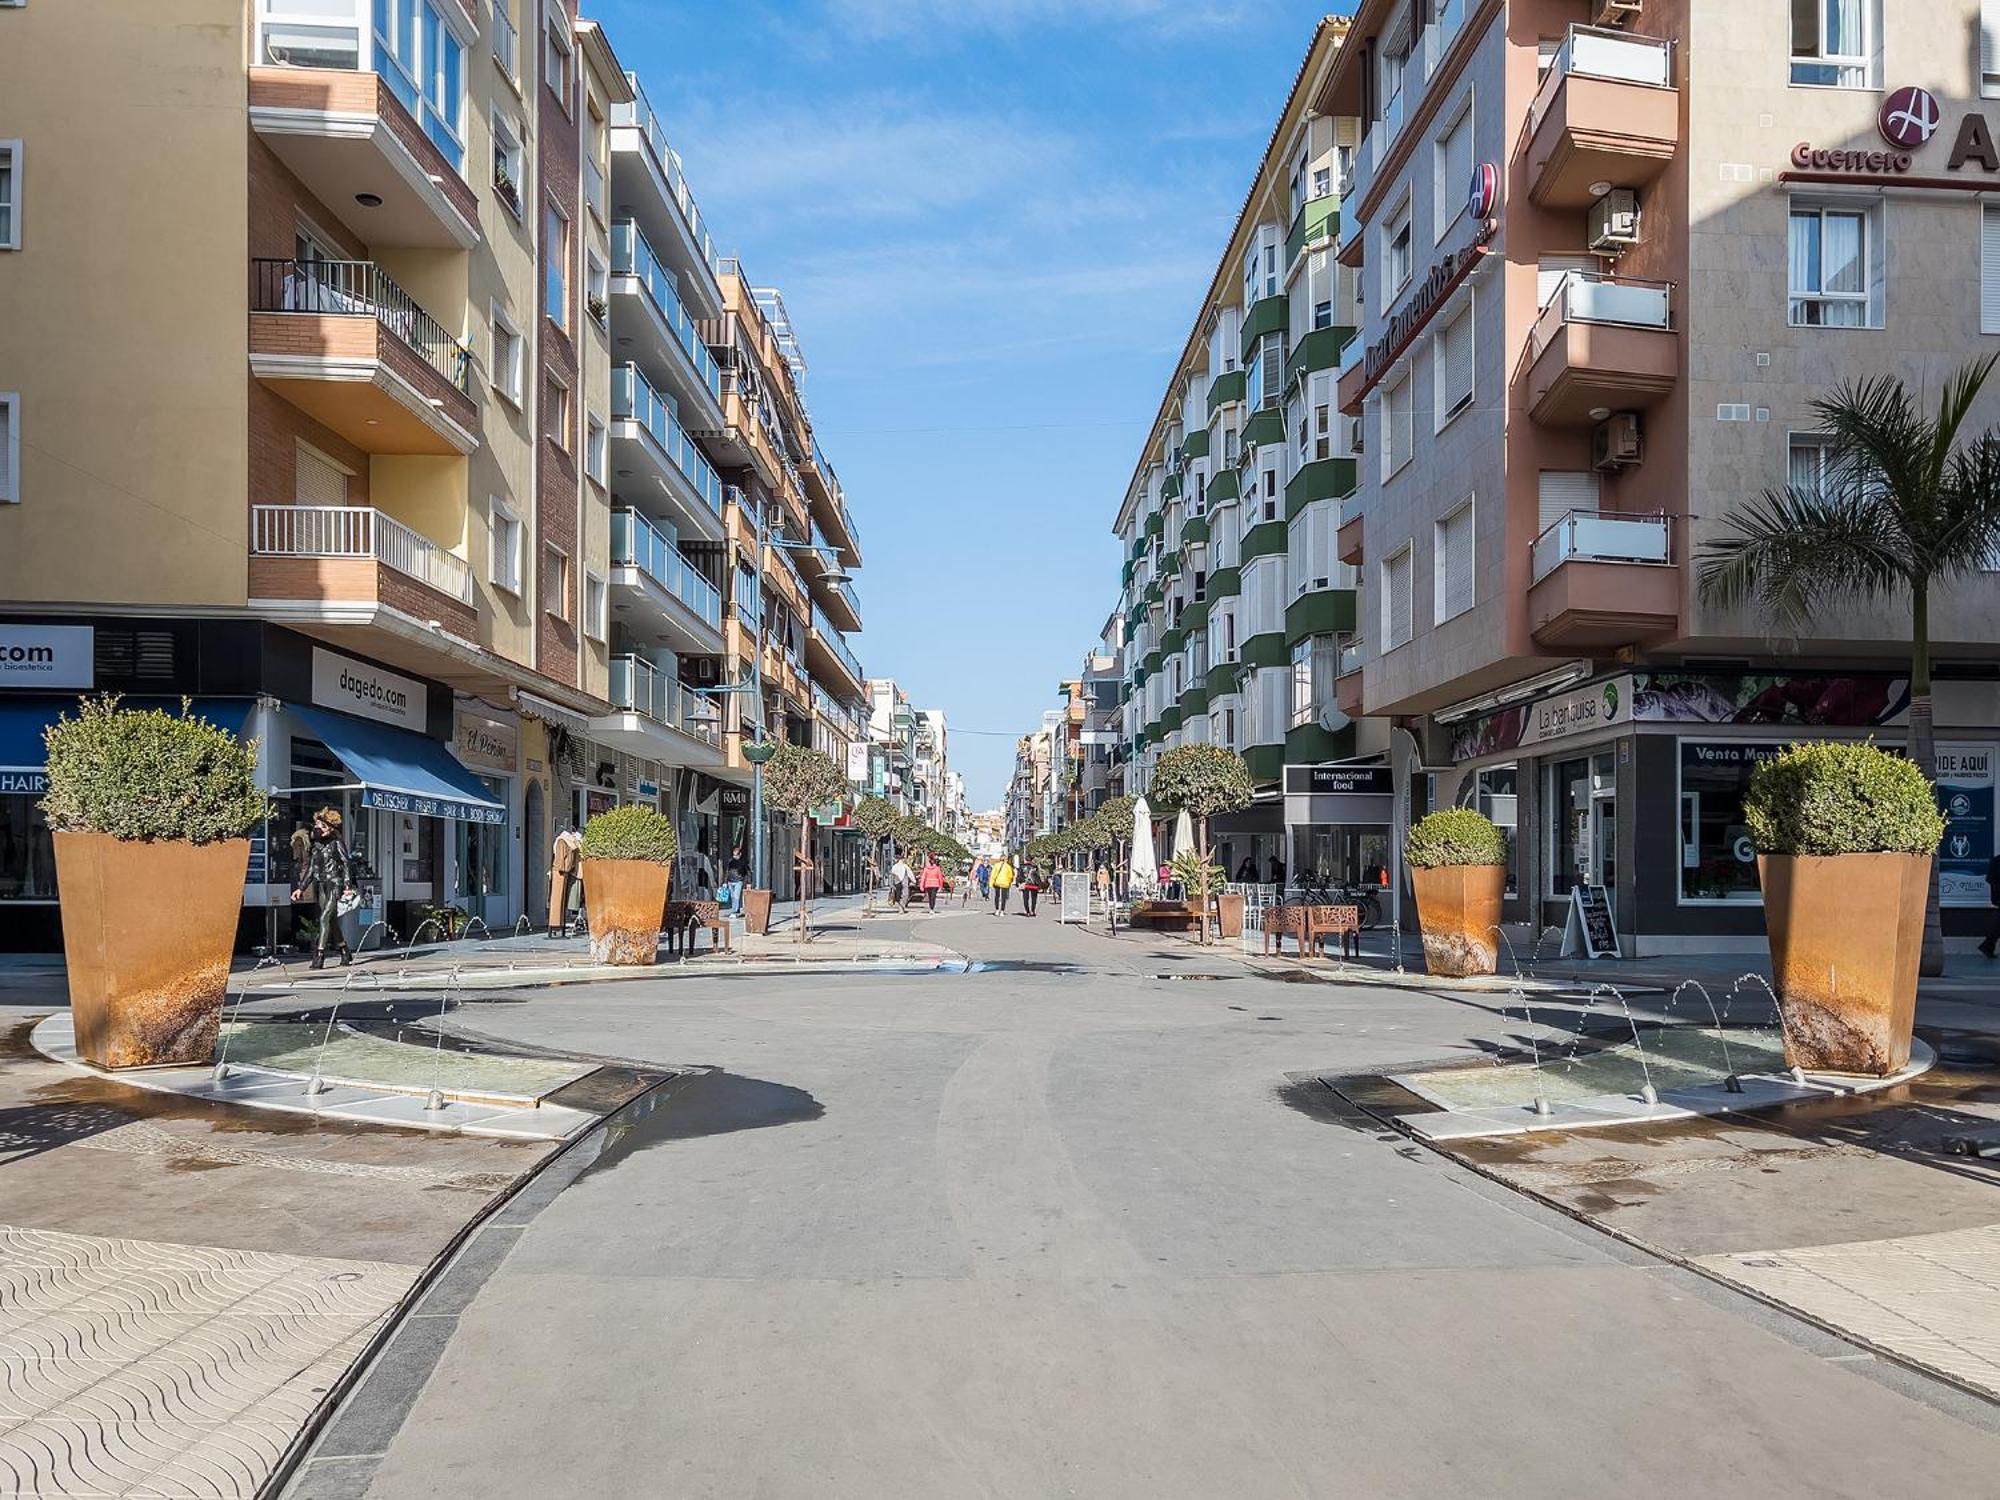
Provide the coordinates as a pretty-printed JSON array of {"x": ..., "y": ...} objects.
[
  {"x": 1583, "y": 823},
  {"x": 1495, "y": 792},
  {"x": 1718, "y": 860}
]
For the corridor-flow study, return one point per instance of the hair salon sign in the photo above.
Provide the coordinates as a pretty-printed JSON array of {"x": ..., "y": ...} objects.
[{"x": 1909, "y": 120}]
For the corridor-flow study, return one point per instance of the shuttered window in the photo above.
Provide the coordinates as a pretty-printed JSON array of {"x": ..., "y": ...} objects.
[
  {"x": 1989, "y": 270},
  {"x": 1989, "y": 52},
  {"x": 1453, "y": 591},
  {"x": 1452, "y": 184},
  {"x": 320, "y": 481},
  {"x": 1396, "y": 600},
  {"x": 1451, "y": 365},
  {"x": 1564, "y": 491},
  {"x": 1398, "y": 431},
  {"x": 1554, "y": 268},
  {"x": 10, "y": 448}
]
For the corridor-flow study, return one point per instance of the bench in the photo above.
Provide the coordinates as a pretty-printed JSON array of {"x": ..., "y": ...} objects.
[
  {"x": 1165, "y": 915},
  {"x": 1280, "y": 920},
  {"x": 686, "y": 918},
  {"x": 1323, "y": 922}
]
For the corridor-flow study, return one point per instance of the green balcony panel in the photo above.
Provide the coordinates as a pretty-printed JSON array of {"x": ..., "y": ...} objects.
[
  {"x": 1224, "y": 389},
  {"x": 1318, "y": 350},
  {"x": 1327, "y": 612},
  {"x": 1194, "y": 702},
  {"x": 1270, "y": 650},
  {"x": 1170, "y": 720},
  {"x": 1310, "y": 745},
  {"x": 1173, "y": 640},
  {"x": 1156, "y": 523},
  {"x": 1194, "y": 619},
  {"x": 1225, "y": 583},
  {"x": 1171, "y": 489},
  {"x": 1323, "y": 479},
  {"x": 1224, "y": 488},
  {"x": 1196, "y": 445},
  {"x": 1125, "y": 573},
  {"x": 1153, "y": 660},
  {"x": 1195, "y": 532},
  {"x": 1138, "y": 742},
  {"x": 1139, "y": 677},
  {"x": 1266, "y": 762},
  {"x": 1267, "y": 315},
  {"x": 1317, "y": 220},
  {"x": 1265, "y": 539},
  {"x": 1223, "y": 679},
  {"x": 1267, "y": 426}
]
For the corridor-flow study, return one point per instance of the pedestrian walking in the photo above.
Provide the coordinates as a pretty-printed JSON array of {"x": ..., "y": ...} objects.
[
  {"x": 931, "y": 881},
  {"x": 1032, "y": 883},
  {"x": 983, "y": 873},
  {"x": 1003, "y": 884},
  {"x": 1993, "y": 922},
  {"x": 902, "y": 880},
  {"x": 1104, "y": 884},
  {"x": 330, "y": 877}
]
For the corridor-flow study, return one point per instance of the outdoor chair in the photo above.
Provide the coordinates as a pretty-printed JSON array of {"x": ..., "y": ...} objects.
[
  {"x": 1279, "y": 920},
  {"x": 1324, "y": 921}
]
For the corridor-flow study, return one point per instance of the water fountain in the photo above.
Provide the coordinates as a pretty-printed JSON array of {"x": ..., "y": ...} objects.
[
  {"x": 1647, "y": 1093},
  {"x": 222, "y": 1057},
  {"x": 1534, "y": 1047},
  {"x": 369, "y": 930},
  {"x": 316, "y": 1085},
  {"x": 1731, "y": 1081},
  {"x": 435, "y": 1102},
  {"x": 480, "y": 923},
  {"x": 523, "y": 926},
  {"x": 417, "y": 936}
]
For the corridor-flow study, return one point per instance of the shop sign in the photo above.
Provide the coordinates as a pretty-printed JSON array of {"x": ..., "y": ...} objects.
[
  {"x": 1965, "y": 797},
  {"x": 857, "y": 762},
  {"x": 1377, "y": 781},
  {"x": 649, "y": 790},
  {"x": 487, "y": 744},
  {"x": 734, "y": 801},
  {"x": 1409, "y": 319},
  {"x": 1909, "y": 120},
  {"x": 23, "y": 783},
  {"x": 415, "y": 806},
  {"x": 48, "y": 656},
  {"x": 353, "y": 687}
]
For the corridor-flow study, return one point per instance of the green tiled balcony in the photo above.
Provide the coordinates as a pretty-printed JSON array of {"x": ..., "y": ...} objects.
[
  {"x": 1266, "y": 762},
  {"x": 1194, "y": 702},
  {"x": 1318, "y": 220},
  {"x": 1125, "y": 573},
  {"x": 1224, "y": 488},
  {"x": 1171, "y": 489},
  {"x": 1194, "y": 619},
  {"x": 1225, "y": 583},
  {"x": 1310, "y": 745},
  {"x": 1224, "y": 678},
  {"x": 1173, "y": 640},
  {"x": 1151, "y": 665},
  {"x": 1318, "y": 350},
  {"x": 1170, "y": 721},
  {"x": 1195, "y": 532},
  {"x": 1323, "y": 479},
  {"x": 1265, "y": 539},
  {"x": 1224, "y": 389},
  {"x": 1267, "y": 426},
  {"x": 1327, "y": 612},
  {"x": 1271, "y": 650},
  {"x": 1196, "y": 445},
  {"x": 1266, "y": 315},
  {"x": 1156, "y": 524}
]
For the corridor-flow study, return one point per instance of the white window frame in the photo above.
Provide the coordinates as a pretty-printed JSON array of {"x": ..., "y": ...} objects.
[
  {"x": 1451, "y": 203},
  {"x": 596, "y": 284},
  {"x": 503, "y": 573},
  {"x": 559, "y": 424},
  {"x": 10, "y": 451},
  {"x": 596, "y": 606},
  {"x": 553, "y": 211},
  {"x": 1442, "y": 416},
  {"x": 1986, "y": 61},
  {"x": 10, "y": 148},
  {"x": 556, "y": 37},
  {"x": 1441, "y": 609},
  {"x": 1406, "y": 381},
  {"x": 1870, "y": 211},
  {"x": 1402, "y": 216},
  {"x": 596, "y": 449},
  {"x": 1406, "y": 555},
  {"x": 510, "y": 141},
  {"x": 555, "y": 560},
  {"x": 1818, "y": 441},
  {"x": 1866, "y": 62},
  {"x": 1989, "y": 265},
  {"x": 507, "y": 383}
]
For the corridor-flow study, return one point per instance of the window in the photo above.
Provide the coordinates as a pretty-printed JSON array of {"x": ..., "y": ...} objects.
[
  {"x": 1396, "y": 622},
  {"x": 1989, "y": 269},
  {"x": 1562, "y": 491},
  {"x": 555, "y": 251},
  {"x": 595, "y": 450},
  {"x": 555, "y": 411},
  {"x": 509, "y": 163},
  {"x": 1451, "y": 557},
  {"x": 1495, "y": 795},
  {"x": 1718, "y": 860},
  {"x": 1808, "y": 462},
  {"x": 1831, "y": 265},
  {"x": 423, "y": 61},
  {"x": 1833, "y": 43},
  {"x": 1302, "y": 684},
  {"x": 555, "y": 582},
  {"x": 1398, "y": 253},
  {"x": 1451, "y": 366},
  {"x": 506, "y": 373},
  {"x": 1989, "y": 50},
  {"x": 10, "y": 447},
  {"x": 10, "y": 195},
  {"x": 558, "y": 62},
  {"x": 596, "y": 288},
  {"x": 1315, "y": 421},
  {"x": 596, "y": 608},
  {"x": 1398, "y": 425},
  {"x": 505, "y": 564},
  {"x": 1452, "y": 172}
]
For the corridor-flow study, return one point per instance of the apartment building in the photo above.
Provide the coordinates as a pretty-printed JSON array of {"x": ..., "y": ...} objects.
[
  {"x": 1234, "y": 607},
  {"x": 1608, "y": 254},
  {"x": 377, "y": 450}
]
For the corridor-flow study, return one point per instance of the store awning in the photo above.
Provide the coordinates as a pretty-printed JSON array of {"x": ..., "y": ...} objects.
[
  {"x": 400, "y": 771},
  {"x": 22, "y": 720}
]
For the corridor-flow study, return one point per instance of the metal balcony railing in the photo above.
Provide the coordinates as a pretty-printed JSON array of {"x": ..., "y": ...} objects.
[
  {"x": 634, "y": 399},
  {"x": 836, "y": 643},
  {"x": 632, "y": 256},
  {"x": 359, "y": 288},
  {"x": 1591, "y": 297},
  {"x": 637, "y": 543},
  {"x": 1602, "y": 536},
  {"x": 1600, "y": 52},
  {"x": 640, "y": 113},
  {"x": 358, "y": 531},
  {"x": 638, "y": 685},
  {"x": 506, "y": 43}
]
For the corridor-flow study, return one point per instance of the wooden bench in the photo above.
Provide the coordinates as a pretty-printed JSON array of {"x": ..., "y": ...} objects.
[
  {"x": 1175, "y": 915},
  {"x": 686, "y": 918},
  {"x": 1324, "y": 921}
]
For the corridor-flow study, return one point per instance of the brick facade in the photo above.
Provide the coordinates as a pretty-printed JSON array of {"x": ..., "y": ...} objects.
[{"x": 556, "y": 151}]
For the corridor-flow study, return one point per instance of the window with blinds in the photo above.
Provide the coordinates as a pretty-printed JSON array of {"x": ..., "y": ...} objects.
[
  {"x": 10, "y": 447},
  {"x": 1398, "y": 430},
  {"x": 1452, "y": 178},
  {"x": 1396, "y": 625},
  {"x": 1452, "y": 557},
  {"x": 317, "y": 479},
  {"x": 1989, "y": 268},
  {"x": 1563, "y": 491},
  {"x": 1451, "y": 366}
]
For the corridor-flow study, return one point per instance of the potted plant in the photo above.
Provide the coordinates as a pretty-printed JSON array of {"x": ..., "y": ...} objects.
[
  {"x": 1458, "y": 867},
  {"x": 150, "y": 813},
  {"x": 1204, "y": 781},
  {"x": 1845, "y": 833},
  {"x": 599, "y": 308},
  {"x": 798, "y": 779},
  {"x": 628, "y": 857},
  {"x": 1192, "y": 875}
]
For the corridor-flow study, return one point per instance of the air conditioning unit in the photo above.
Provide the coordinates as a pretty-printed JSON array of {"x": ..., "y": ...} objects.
[
  {"x": 1614, "y": 221},
  {"x": 1615, "y": 443}
]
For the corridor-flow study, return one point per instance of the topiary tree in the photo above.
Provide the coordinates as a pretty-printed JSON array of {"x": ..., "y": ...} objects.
[
  {"x": 1841, "y": 797},
  {"x": 797, "y": 779},
  {"x": 633, "y": 831},
  {"x": 875, "y": 818},
  {"x": 1454, "y": 836},
  {"x": 145, "y": 774},
  {"x": 1203, "y": 781}
]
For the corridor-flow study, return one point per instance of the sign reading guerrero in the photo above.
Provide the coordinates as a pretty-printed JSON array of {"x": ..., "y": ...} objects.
[
  {"x": 352, "y": 687},
  {"x": 1910, "y": 118}
]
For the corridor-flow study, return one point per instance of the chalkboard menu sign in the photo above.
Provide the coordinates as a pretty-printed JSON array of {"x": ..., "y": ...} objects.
[{"x": 1590, "y": 930}]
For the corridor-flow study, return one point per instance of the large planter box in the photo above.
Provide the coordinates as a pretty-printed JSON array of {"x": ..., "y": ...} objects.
[
  {"x": 1229, "y": 916},
  {"x": 147, "y": 933},
  {"x": 756, "y": 912},
  {"x": 627, "y": 903},
  {"x": 1458, "y": 907},
  {"x": 1846, "y": 934}
]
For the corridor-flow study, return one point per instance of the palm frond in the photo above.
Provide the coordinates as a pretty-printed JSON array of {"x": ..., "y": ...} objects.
[
  {"x": 1970, "y": 539},
  {"x": 1793, "y": 548}
]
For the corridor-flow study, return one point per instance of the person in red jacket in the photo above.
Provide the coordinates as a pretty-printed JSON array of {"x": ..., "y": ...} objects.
[{"x": 931, "y": 881}]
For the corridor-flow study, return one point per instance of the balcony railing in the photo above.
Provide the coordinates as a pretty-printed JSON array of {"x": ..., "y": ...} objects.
[
  {"x": 593, "y": 185},
  {"x": 359, "y": 288},
  {"x": 634, "y": 399},
  {"x": 638, "y": 685},
  {"x": 836, "y": 643},
  {"x": 358, "y": 531},
  {"x": 1353, "y": 650},
  {"x": 637, "y": 543},
  {"x": 1588, "y": 297},
  {"x": 632, "y": 256},
  {"x": 506, "y": 43},
  {"x": 1601, "y": 536},
  {"x": 844, "y": 717},
  {"x": 640, "y": 113},
  {"x": 1598, "y": 52}
]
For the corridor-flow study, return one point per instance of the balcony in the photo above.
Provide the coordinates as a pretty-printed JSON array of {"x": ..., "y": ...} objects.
[
  {"x": 844, "y": 719},
  {"x": 1607, "y": 112},
  {"x": 347, "y": 346},
  {"x": 658, "y": 716},
  {"x": 1603, "y": 580},
  {"x": 506, "y": 44},
  {"x": 344, "y": 554},
  {"x": 651, "y": 320},
  {"x": 358, "y": 149},
  {"x": 829, "y": 506},
  {"x": 834, "y": 658},
  {"x": 649, "y": 186},
  {"x": 1601, "y": 344},
  {"x": 649, "y": 447},
  {"x": 682, "y": 605}
]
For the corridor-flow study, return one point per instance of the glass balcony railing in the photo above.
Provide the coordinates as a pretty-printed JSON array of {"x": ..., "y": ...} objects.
[
  {"x": 837, "y": 644},
  {"x": 640, "y": 113},
  {"x": 1601, "y": 536},
  {"x": 1352, "y": 651},
  {"x": 634, "y": 399},
  {"x": 1599, "y": 52},
  {"x": 632, "y": 256},
  {"x": 637, "y": 543},
  {"x": 641, "y": 687}
]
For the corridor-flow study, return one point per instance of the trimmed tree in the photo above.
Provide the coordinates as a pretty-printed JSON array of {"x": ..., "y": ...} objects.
[
  {"x": 876, "y": 819},
  {"x": 1203, "y": 781},
  {"x": 797, "y": 779}
]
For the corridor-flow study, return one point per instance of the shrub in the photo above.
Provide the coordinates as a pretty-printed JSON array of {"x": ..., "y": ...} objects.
[
  {"x": 798, "y": 778},
  {"x": 1454, "y": 836},
  {"x": 633, "y": 831},
  {"x": 1201, "y": 780},
  {"x": 1841, "y": 797},
  {"x": 148, "y": 774},
  {"x": 1187, "y": 868}
]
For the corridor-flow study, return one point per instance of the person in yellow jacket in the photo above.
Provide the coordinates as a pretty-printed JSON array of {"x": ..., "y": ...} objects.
[{"x": 1003, "y": 882}]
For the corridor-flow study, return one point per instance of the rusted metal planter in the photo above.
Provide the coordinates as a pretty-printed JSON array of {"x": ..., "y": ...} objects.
[
  {"x": 756, "y": 912},
  {"x": 1846, "y": 934},
  {"x": 1229, "y": 916},
  {"x": 1458, "y": 907},
  {"x": 147, "y": 933},
  {"x": 627, "y": 903}
]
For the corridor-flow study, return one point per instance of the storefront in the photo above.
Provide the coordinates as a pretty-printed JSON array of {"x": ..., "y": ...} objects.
[
  {"x": 1635, "y": 784},
  {"x": 1339, "y": 820},
  {"x": 487, "y": 860},
  {"x": 1249, "y": 844}
]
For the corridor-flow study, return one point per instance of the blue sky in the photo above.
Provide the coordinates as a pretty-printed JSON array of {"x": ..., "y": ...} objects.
[{"x": 992, "y": 221}]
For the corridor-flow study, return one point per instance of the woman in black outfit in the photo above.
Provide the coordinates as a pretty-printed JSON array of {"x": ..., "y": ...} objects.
[{"x": 330, "y": 874}]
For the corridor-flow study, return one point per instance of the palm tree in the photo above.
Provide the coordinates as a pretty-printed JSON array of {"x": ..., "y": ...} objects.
[{"x": 1905, "y": 508}]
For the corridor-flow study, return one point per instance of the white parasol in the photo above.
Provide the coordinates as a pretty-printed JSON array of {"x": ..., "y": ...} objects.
[
  {"x": 1183, "y": 837},
  {"x": 1144, "y": 879}
]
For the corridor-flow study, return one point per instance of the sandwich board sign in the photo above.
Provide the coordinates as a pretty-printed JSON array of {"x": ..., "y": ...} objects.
[{"x": 1590, "y": 930}]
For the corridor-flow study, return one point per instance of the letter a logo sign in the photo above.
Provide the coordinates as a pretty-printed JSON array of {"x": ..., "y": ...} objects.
[{"x": 1909, "y": 118}]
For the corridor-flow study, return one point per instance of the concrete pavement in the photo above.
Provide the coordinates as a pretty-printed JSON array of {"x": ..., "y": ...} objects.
[{"x": 1071, "y": 1228}]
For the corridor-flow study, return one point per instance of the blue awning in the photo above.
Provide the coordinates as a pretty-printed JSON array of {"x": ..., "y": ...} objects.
[
  {"x": 402, "y": 771},
  {"x": 22, "y": 720}
]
